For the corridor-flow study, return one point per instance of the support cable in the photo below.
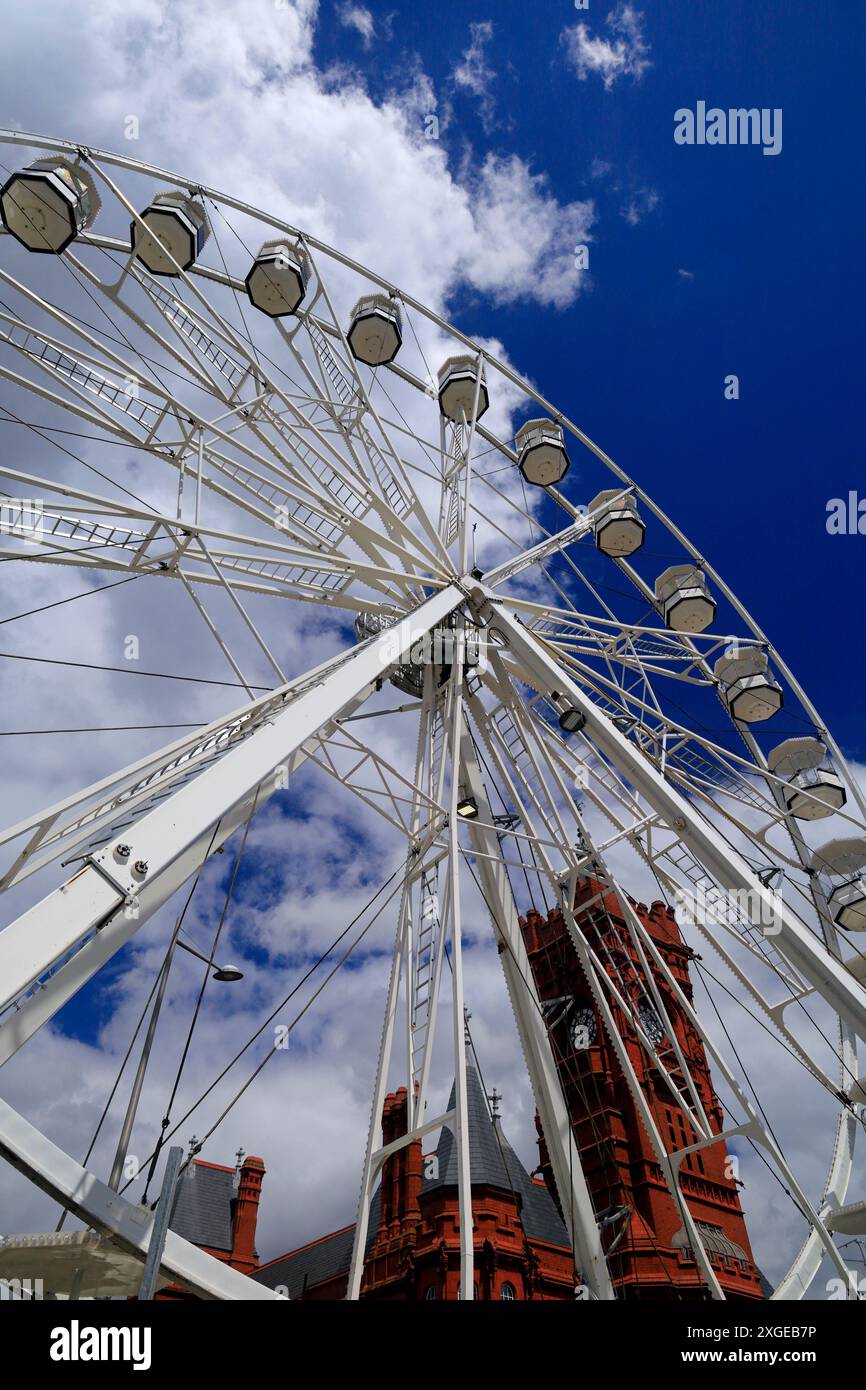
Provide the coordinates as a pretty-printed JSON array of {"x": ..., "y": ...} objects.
[{"x": 311, "y": 971}]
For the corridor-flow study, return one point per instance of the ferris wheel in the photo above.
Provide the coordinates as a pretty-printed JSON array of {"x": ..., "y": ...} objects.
[{"x": 587, "y": 698}]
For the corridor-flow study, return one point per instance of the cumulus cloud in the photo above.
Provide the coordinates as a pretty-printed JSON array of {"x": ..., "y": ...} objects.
[
  {"x": 621, "y": 52},
  {"x": 249, "y": 111},
  {"x": 235, "y": 99},
  {"x": 526, "y": 238},
  {"x": 636, "y": 199}
]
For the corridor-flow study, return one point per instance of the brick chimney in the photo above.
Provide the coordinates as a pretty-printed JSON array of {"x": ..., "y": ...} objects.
[
  {"x": 401, "y": 1173},
  {"x": 246, "y": 1213}
]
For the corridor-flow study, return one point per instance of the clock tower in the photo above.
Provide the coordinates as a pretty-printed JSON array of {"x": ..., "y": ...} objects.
[{"x": 647, "y": 1243}]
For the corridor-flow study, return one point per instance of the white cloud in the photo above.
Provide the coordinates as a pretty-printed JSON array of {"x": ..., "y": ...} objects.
[
  {"x": 639, "y": 204},
  {"x": 474, "y": 73},
  {"x": 250, "y": 112},
  {"x": 359, "y": 18},
  {"x": 526, "y": 239},
  {"x": 624, "y": 53},
  {"x": 636, "y": 200}
]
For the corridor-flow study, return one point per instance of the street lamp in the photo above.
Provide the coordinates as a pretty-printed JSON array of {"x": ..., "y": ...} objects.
[{"x": 227, "y": 974}]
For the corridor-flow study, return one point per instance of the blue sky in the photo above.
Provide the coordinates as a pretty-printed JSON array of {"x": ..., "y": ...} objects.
[{"x": 774, "y": 290}]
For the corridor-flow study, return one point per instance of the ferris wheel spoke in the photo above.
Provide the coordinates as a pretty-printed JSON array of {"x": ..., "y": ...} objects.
[
  {"x": 369, "y": 471},
  {"x": 544, "y": 550},
  {"x": 354, "y": 764},
  {"x": 293, "y": 502},
  {"x": 87, "y": 918},
  {"x": 562, "y": 887},
  {"x": 93, "y": 815},
  {"x": 680, "y": 1083},
  {"x": 103, "y": 535},
  {"x": 829, "y": 977},
  {"x": 752, "y": 1127},
  {"x": 333, "y": 477},
  {"x": 696, "y": 762},
  {"x": 104, "y": 1210},
  {"x": 424, "y": 928},
  {"x": 313, "y": 454},
  {"x": 387, "y": 473},
  {"x": 571, "y": 1184}
]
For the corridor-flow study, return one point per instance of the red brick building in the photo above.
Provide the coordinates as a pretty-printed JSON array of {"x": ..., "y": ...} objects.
[
  {"x": 217, "y": 1209},
  {"x": 649, "y": 1250},
  {"x": 522, "y": 1249}
]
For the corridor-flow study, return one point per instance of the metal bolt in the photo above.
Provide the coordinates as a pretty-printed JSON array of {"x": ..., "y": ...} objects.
[
  {"x": 140, "y": 866},
  {"x": 123, "y": 851}
]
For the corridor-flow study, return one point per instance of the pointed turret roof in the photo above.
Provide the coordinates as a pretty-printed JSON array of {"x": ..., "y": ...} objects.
[{"x": 493, "y": 1163}]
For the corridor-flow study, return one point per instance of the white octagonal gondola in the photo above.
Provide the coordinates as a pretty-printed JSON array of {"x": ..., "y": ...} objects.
[
  {"x": 542, "y": 458},
  {"x": 811, "y": 790},
  {"x": 618, "y": 528},
  {"x": 685, "y": 600},
  {"x": 176, "y": 231},
  {"x": 375, "y": 334},
  {"x": 841, "y": 862},
  {"x": 747, "y": 686},
  {"x": 46, "y": 205},
  {"x": 457, "y": 377},
  {"x": 278, "y": 278}
]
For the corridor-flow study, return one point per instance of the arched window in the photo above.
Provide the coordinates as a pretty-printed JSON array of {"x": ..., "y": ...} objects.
[
  {"x": 431, "y": 1292},
  {"x": 506, "y": 1291}
]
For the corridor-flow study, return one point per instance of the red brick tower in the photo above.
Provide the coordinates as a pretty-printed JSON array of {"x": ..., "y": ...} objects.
[
  {"x": 522, "y": 1249},
  {"x": 648, "y": 1246}
]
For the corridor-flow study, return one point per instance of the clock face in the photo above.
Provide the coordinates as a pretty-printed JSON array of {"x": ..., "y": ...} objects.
[
  {"x": 582, "y": 1027},
  {"x": 650, "y": 1022}
]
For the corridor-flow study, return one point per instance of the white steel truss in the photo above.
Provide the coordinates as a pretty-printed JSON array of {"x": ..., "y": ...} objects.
[{"x": 287, "y": 468}]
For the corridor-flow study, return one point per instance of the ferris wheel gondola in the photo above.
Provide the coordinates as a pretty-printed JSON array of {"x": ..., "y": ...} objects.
[{"x": 314, "y": 456}]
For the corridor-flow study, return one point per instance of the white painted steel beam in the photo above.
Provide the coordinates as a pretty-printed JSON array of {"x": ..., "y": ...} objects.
[
  {"x": 564, "y": 1154},
  {"x": 130, "y": 1226},
  {"x": 171, "y": 840},
  {"x": 794, "y": 941}
]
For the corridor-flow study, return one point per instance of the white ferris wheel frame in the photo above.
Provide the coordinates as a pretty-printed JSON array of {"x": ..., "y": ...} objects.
[{"x": 211, "y": 782}]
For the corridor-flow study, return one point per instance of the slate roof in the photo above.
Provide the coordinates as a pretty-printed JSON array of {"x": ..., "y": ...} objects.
[
  {"x": 492, "y": 1162},
  {"x": 202, "y": 1209},
  {"x": 315, "y": 1263}
]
